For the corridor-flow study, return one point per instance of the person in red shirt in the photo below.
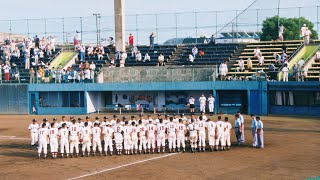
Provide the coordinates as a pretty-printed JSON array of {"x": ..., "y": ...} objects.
[{"x": 131, "y": 39}]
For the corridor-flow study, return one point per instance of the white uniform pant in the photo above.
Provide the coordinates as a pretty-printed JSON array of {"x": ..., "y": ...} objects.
[
  {"x": 54, "y": 145},
  {"x": 118, "y": 140},
  {"x": 181, "y": 141},
  {"x": 127, "y": 142},
  {"x": 134, "y": 143},
  {"x": 86, "y": 143},
  {"x": 211, "y": 138},
  {"x": 285, "y": 76},
  {"x": 202, "y": 138},
  {"x": 74, "y": 144},
  {"x": 43, "y": 144},
  {"x": 211, "y": 107},
  {"x": 193, "y": 139},
  {"x": 172, "y": 140},
  {"x": 220, "y": 139},
  {"x": 96, "y": 143},
  {"x": 34, "y": 138},
  {"x": 202, "y": 107},
  {"x": 143, "y": 143},
  {"x": 151, "y": 142},
  {"x": 64, "y": 144},
  {"x": 161, "y": 139},
  {"x": 108, "y": 144},
  {"x": 227, "y": 139}
]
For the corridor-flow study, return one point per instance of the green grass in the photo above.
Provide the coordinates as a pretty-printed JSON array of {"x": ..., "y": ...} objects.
[{"x": 62, "y": 59}]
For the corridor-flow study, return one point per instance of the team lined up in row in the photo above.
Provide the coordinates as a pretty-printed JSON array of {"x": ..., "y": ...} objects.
[{"x": 133, "y": 136}]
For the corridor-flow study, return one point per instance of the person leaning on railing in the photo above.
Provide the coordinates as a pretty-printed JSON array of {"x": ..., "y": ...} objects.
[{"x": 32, "y": 74}]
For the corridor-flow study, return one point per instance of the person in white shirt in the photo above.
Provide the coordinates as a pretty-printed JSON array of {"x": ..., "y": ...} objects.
[
  {"x": 241, "y": 118},
  {"x": 181, "y": 133},
  {"x": 223, "y": 70},
  {"x": 64, "y": 140},
  {"x": 220, "y": 134},
  {"x": 191, "y": 58},
  {"x": 260, "y": 131},
  {"x": 211, "y": 104},
  {"x": 254, "y": 130},
  {"x": 161, "y": 60},
  {"x": 301, "y": 63},
  {"x": 43, "y": 140},
  {"x": 211, "y": 125},
  {"x": 123, "y": 59},
  {"x": 96, "y": 139},
  {"x": 33, "y": 128},
  {"x": 202, "y": 101},
  {"x": 142, "y": 129},
  {"x": 74, "y": 132},
  {"x": 256, "y": 52},
  {"x": 241, "y": 66},
  {"x": 118, "y": 138},
  {"x": 146, "y": 57},
  {"x": 201, "y": 124},
  {"x": 108, "y": 138},
  {"x": 161, "y": 136},
  {"x": 92, "y": 66},
  {"x": 227, "y": 132},
  {"x": 151, "y": 129},
  {"x": 191, "y": 104},
  {"x": 192, "y": 129},
  {"x": 307, "y": 35},
  {"x": 138, "y": 56},
  {"x": 285, "y": 71},
  {"x": 86, "y": 135},
  {"x": 127, "y": 134},
  {"x": 261, "y": 60},
  {"x": 53, "y": 135},
  {"x": 303, "y": 31},
  {"x": 52, "y": 43},
  {"x": 194, "y": 51},
  {"x": 318, "y": 56},
  {"x": 171, "y": 134},
  {"x": 134, "y": 138}
]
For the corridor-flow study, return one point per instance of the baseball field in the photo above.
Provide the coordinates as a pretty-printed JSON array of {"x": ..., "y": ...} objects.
[{"x": 291, "y": 151}]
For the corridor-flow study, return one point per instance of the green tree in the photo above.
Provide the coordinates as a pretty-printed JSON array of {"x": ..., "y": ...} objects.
[{"x": 270, "y": 28}]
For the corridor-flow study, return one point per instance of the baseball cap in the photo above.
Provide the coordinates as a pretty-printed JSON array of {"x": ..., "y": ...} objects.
[
  {"x": 124, "y": 118},
  {"x": 114, "y": 116},
  {"x": 87, "y": 117},
  {"x": 34, "y": 120},
  {"x": 167, "y": 115},
  {"x": 54, "y": 119},
  {"x": 159, "y": 114},
  {"x": 105, "y": 117},
  {"x": 140, "y": 115},
  {"x": 182, "y": 114},
  {"x": 63, "y": 116},
  {"x": 45, "y": 119},
  {"x": 97, "y": 117},
  {"x": 79, "y": 119},
  {"x": 132, "y": 116},
  {"x": 174, "y": 114}
]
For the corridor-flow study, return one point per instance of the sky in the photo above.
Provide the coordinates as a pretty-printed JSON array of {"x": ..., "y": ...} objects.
[{"x": 46, "y": 17}]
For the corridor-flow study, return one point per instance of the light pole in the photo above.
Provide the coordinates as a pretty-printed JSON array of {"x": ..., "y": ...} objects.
[
  {"x": 279, "y": 14},
  {"x": 97, "y": 26}
]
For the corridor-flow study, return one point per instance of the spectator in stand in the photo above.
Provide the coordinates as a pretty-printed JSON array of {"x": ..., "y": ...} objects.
[
  {"x": 49, "y": 50},
  {"x": 90, "y": 51},
  {"x": 112, "y": 63},
  {"x": 194, "y": 51},
  {"x": 282, "y": 29},
  {"x": 240, "y": 67},
  {"x": 261, "y": 60},
  {"x": 301, "y": 62},
  {"x": 53, "y": 43},
  {"x": 53, "y": 74},
  {"x": 201, "y": 53},
  {"x": 118, "y": 57},
  {"x": 39, "y": 77},
  {"x": 212, "y": 40},
  {"x": 303, "y": 31},
  {"x": 100, "y": 53},
  {"x": 92, "y": 66},
  {"x": 86, "y": 75},
  {"x": 295, "y": 69},
  {"x": 6, "y": 70},
  {"x": 302, "y": 74},
  {"x": 124, "y": 56},
  {"x": 134, "y": 51},
  {"x": 36, "y": 56},
  {"x": 146, "y": 58},
  {"x": 307, "y": 35},
  {"x": 91, "y": 76},
  {"x": 26, "y": 57},
  {"x": 285, "y": 71},
  {"x": 59, "y": 74},
  {"x": 161, "y": 60},
  {"x": 277, "y": 58},
  {"x": 256, "y": 53},
  {"x": 36, "y": 41},
  {"x": 82, "y": 53},
  {"x": 151, "y": 39},
  {"x": 223, "y": 70},
  {"x": 75, "y": 43},
  {"x": 317, "y": 56},
  {"x": 138, "y": 57},
  {"x": 86, "y": 65},
  {"x": 283, "y": 56},
  {"x": 111, "y": 42},
  {"x": 41, "y": 73},
  {"x": 81, "y": 65},
  {"x": 16, "y": 72},
  {"x": 271, "y": 67},
  {"x": 46, "y": 75},
  {"x": 131, "y": 40},
  {"x": 191, "y": 58},
  {"x": 249, "y": 64},
  {"x": 32, "y": 74}
]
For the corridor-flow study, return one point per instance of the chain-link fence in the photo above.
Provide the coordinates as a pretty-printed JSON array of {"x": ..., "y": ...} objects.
[{"x": 165, "y": 25}]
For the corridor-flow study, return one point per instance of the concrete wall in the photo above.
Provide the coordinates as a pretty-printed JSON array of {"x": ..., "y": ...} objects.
[{"x": 14, "y": 99}]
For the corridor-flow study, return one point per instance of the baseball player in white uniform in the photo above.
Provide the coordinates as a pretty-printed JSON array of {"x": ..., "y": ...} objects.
[
  {"x": 53, "y": 135},
  {"x": 96, "y": 139},
  {"x": 104, "y": 123},
  {"x": 242, "y": 127},
  {"x": 45, "y": 121},
  {"x": 64, "y": 121},
  {"x": 56, "y": 124},
  {"x": 151, "y": 137},
  {"x": 202, "y": 134},
  {"x": 74, "y": 138},
  {"x": 142, "y": 129},
  {"x": 127, "y": 132},
  {"x": 118, "y": 138},
  {"x": 220, "y": 133},
  {"x": 156, "y": 121},
  {"x": 146, "y": 122},
  {"x": 161, "y": 136},
  {"x": 86, "y": 139},
  {"x": 175, "y": 119},
  {"x": 227, "y": 133},
  {"x": 108, "y": 136},
  {"x": 211, "y": 125},
  {"x": 184, "y": 118},
  {"x": 192, "y": 128},
  {"x": 254, "y": 130},
  {"x": 33, "y": 128},
  {"x": 181, "y": 133},
  {"x": 172, "y": 137},
  {"x": 202, "y": 101},
  {"x": 64, "y": 140},
  {"x": 43, "y": 140},
  {"x": 90, "y": 124},
  {"x": 211, "y": 104},
  {"x": 113, "y": 121},
  {"x": 134, "y": 138}
]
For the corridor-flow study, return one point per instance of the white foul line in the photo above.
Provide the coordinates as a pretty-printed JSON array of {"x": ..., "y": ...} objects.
[
  {"x": 13, "y": 137},
  {"x": 118, "y": 167}
]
